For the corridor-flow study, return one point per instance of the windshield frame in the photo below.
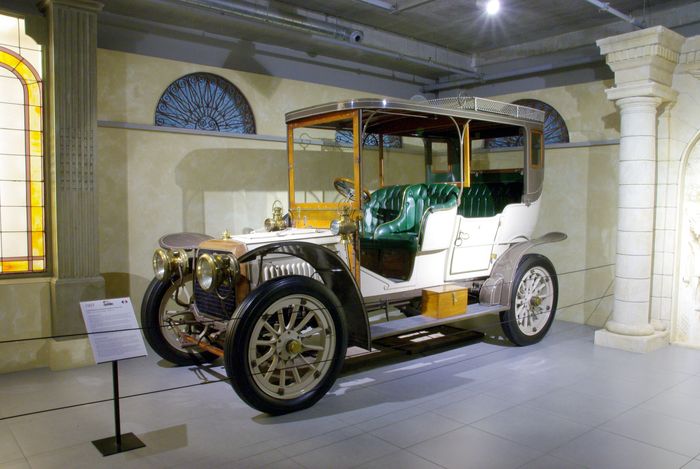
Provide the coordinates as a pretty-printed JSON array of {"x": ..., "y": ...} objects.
[{"x": 318, "y": 212}]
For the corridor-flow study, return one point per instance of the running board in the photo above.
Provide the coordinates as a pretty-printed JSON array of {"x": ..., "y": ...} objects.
[{"x": 416, "y": 323}]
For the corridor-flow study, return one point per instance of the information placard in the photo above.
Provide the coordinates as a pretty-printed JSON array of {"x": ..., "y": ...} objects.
[{"x": 113, "y": 331}]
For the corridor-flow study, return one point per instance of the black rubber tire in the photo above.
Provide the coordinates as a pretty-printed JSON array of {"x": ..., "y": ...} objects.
[
  {"x": 153, "y": 331},
  {"x": 238, "y": 336},
  {"x": 508, "y": 318}
]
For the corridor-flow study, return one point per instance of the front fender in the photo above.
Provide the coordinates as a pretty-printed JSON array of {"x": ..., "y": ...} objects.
[
  {"x": 187, "y": 241},
  {"x": 335, "y": 275}
]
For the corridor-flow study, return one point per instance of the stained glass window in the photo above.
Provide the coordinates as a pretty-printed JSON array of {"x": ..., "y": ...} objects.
[
  {"x": 555, "y": 130},
  {"x": 22, "y": 218},
  {"x": 371, "y": 140},
  {"x": 204, "y": 101}
]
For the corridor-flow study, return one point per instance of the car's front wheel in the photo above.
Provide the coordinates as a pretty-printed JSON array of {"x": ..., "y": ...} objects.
[
  {"x": 289, "y": 346},
  {"x": 166, "y": 316},
  {"x": 533, "y": 301}
]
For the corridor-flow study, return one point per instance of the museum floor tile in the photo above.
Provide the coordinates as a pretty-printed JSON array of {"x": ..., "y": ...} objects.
[{"x": 562, "y": 403}]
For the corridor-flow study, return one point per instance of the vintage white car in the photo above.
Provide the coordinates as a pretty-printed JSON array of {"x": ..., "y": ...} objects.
[{"x": 394, "y": 205}]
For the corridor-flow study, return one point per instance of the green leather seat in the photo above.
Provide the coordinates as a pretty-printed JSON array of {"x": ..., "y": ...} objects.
[
  {"x": 490, "y": 193},
  {"x": 404, "y": 229},
  {"x": 384, "y": 205},
  {"x": 487, "y": 199},
  {"x": 442, "y": 196},
  {"x": 477, "y": 201},
  {"x": 405, "y": 226},
  {"x": 392, "y": 224},
  {"x": 387, "y": 257}
]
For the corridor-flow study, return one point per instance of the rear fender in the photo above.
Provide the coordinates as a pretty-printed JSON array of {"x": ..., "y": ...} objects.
[
  {"x": 497, "y": 288},
  {"x": 335, "y": 275}
]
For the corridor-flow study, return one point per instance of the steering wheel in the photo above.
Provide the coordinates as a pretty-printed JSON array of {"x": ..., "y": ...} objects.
[{"x": 346, "y": 188}]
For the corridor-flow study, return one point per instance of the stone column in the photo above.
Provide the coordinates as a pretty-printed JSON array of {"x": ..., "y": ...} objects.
[
  {"x": 72, "y": 108},
  {"x": 643, "y": 62}
]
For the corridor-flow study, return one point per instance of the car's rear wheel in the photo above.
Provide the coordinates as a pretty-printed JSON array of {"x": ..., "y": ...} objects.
[
  {"x": 533, "y": 301},
  {"x": 166, "y": 315},
  {"x": 288, "y": 347}
]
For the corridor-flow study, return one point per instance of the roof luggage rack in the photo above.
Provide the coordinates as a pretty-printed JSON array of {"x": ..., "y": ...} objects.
[{"x": 472, "y": 103}]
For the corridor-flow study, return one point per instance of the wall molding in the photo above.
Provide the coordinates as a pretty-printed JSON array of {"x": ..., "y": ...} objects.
[
  {"x": 280, "y": 139},
  {"x": 177, "y": 130}
]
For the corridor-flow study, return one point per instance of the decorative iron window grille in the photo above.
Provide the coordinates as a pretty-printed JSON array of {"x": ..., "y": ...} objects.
[
  {"x": 204, "y": 101},
  {"x": 555, "y": 130},
  {"x": 370, "y": 140}
]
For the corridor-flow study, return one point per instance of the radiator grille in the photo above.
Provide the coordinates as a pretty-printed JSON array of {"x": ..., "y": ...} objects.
[
  {"x": 211, "y": 303},
  {"x": 271, "y": 271}
]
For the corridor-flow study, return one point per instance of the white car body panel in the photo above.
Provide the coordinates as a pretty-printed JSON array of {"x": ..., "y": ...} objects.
[
  {"x": 454, "y": 248},
  {"x": 472, "y": 246},
  {"x": 518, "y": 222},
  {"x": 426, "y": 273},
  {"x": 439, "y": 230}
]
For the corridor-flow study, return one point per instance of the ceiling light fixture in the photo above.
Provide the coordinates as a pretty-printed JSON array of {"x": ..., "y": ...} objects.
[{"x": 493, "y": 7}]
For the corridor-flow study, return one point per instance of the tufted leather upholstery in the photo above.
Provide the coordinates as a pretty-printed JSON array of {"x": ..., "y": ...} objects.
[
  {"x": 486, "y": 199},
  {"x": 396, "y": 212},
  {"x": 477, "y": 201},
  {"x": 408, "y": 220},
  {"x": 416, "y": 199},
  {"x": 384, "y": 205},
  {"x": 442, "y": 196}
]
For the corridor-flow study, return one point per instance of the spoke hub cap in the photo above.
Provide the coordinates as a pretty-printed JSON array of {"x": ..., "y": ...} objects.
[{"x": 288, "y": 345}]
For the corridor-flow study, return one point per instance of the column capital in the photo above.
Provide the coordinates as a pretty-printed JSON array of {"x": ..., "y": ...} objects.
[
  {"x": 87, "y": 5},
  {"x": 639, "y": 92},
  {"x": 643, "y": 62}
]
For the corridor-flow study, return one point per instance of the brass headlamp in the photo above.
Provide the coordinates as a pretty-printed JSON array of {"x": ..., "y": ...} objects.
[
  {"x": 345, "y": 226},
  {"x": 167, "y": 262},
  {"x": 277, "y": 222},
  {"x": 213, "y": 270}
]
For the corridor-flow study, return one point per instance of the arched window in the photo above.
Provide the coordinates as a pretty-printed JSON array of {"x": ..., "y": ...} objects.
[
  {"x": 204, "y": 101},
  {"x": 371, "y": 140},
  {"x": 555, "y": 130},
  {"x": 22, "y": 219}
]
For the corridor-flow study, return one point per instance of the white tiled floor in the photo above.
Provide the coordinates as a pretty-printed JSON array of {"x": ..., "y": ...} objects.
[{"x": 563, "y": 403}]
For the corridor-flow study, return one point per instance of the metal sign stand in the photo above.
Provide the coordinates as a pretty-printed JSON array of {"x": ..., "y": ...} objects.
[{"x": 118, "y": 443}]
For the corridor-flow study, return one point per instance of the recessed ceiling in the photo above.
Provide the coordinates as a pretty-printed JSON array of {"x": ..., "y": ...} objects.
[
  {"x": 430, "y": 43},
  {"x": 463, "y": 26}
]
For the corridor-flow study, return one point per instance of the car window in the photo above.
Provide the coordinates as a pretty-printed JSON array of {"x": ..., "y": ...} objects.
[
  {"x": 491, "y": 159},
  {"x": 318, "y": 160},
  {"x": 405, "y": 165},
  {"x": 536, "y": 153},
  {"x": 438, "y": 161}
]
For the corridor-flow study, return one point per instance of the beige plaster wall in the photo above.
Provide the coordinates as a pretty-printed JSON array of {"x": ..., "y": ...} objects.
[
  {"x": 152, "y": 183},
  {"x": 24, "y": 313},
  {"x": 580, "y": 199},
  {"x": 586, "y": 110}
]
